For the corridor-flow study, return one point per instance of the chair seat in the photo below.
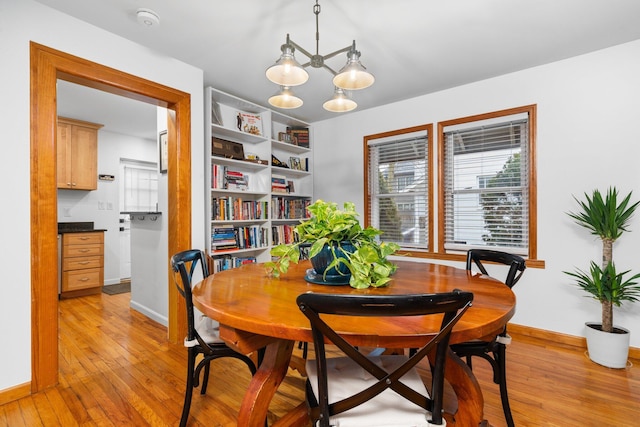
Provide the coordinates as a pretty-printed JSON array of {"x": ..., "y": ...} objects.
[
  {"x": 208, "y": 329},
  {"x": 388, "y": 409}
]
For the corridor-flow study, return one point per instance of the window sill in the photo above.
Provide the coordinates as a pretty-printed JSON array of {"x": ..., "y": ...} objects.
[{"x": 408, "y": 254}]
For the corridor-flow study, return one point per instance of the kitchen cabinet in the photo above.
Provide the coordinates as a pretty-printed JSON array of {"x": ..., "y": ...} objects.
[
  {"x": 82, "y": 263},
  {"x": 77, "y": 154}
]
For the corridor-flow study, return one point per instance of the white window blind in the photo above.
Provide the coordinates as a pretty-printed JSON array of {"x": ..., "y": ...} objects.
[
  {"x": 139, "y": 187},
  {"x": 398, "y": 188},
  {"x": 486, "y": 188}
]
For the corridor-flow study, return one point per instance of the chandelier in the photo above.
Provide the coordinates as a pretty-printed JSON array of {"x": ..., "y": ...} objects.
[{"x": 287, "y": 72}]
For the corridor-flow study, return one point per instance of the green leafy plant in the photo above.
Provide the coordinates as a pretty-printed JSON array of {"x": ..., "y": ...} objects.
[
  {"x": 607, "y": 285},
  {"x": 607, "y": 219},
  {"x": 328, "y": 225}
]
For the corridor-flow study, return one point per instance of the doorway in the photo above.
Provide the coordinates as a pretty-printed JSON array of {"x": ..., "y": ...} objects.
[{"x": 47, "y": 66}]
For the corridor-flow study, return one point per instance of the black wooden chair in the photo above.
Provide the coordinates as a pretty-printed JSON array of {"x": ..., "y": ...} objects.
[
  {"x": 493, "y": 351},
  {"x": 202, "y": 332},
  {"x": 357, "y": 390}
]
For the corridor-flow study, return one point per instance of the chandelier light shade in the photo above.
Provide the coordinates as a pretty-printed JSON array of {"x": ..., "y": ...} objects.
[
  {"x": 285, "y": 98},
  {"x": 340, "y": 102},
  {"x": 287, "y": 72},
  {"x": 354, "y": 75}
]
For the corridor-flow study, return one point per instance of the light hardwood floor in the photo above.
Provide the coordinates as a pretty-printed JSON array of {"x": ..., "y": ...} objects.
[{"x": 117, "y": 369}]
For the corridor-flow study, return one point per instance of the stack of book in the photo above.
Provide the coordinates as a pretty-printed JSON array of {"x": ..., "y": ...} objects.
[
  {"x": 299, "y": 135},
  {"x": 279, "y": 184},
  {"x": 235, "y": 180},
  {"x": 224, "y": 239},
  {"x": 224, "y": 178}
]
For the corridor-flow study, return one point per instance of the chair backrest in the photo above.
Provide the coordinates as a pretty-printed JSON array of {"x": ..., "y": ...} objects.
[
  {"x": 185, "y": 264},
  {"x": 452, "y": 305},
  {"x": 516, "y": 263}
]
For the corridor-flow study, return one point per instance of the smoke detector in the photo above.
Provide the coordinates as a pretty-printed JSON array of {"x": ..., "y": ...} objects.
[{"x": 147, "y": 17}]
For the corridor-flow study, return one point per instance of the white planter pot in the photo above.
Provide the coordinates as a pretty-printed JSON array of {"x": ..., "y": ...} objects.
[{"x": 607, "y": 349}]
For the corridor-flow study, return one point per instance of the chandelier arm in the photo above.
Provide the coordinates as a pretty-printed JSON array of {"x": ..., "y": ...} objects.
[
  {"x": 300, "y": 48},
  {"x": 337, "y": 52}
]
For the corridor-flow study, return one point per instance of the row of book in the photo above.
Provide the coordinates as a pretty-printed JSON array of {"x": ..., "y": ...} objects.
[
  {"x": 287, "y": 208},
  {"x": 233, "y": 238},
  {"x": 224, "y": 178},
  {"x": 234, "y": 208},
  {"x": 283, "y": 234},
  {"x": 228, "y": 262},
  {"x": 299, "y": 135}
]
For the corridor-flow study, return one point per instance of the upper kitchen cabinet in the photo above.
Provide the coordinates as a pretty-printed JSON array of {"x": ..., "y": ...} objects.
[{"x": 77, "y": 159}]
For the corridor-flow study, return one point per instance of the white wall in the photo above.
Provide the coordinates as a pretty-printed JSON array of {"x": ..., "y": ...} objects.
[
  {"x": 84, "y": 205},
  {"x": 587, "y": 138},
  {"x": 149, "y": 237},
  {"x": 21, "y": 22}
]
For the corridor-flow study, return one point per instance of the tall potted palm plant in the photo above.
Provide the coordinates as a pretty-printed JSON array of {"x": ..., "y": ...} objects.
[{"x": 607, "y": 219}]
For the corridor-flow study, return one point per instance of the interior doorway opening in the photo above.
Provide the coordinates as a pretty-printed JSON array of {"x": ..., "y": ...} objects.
[{"x": 47, "y": 66}]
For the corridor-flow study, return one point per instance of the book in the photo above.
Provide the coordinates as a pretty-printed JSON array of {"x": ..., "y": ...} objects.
[
  {"x": 300, "y": 135},
  {"x": 249, "y": 123}
]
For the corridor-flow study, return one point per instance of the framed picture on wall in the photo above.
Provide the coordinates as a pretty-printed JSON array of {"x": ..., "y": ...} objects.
[{"x": 163, "y": 151}]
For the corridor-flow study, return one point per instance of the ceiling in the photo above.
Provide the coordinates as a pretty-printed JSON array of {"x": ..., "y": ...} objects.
[{"x": 413, "y": 47}]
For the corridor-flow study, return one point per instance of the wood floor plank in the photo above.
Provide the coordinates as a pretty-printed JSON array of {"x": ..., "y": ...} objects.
[{"x": 117, "y": 369}]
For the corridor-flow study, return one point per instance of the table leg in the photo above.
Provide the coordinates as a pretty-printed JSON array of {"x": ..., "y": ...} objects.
[
  {"x": 464, "y": 383},
  {"x": 264, "y": 384}
]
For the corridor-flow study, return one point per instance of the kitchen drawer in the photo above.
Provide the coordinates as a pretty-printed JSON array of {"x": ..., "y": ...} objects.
[
  {"x": 81, "y": 279},
  {"x": 83, "y": 238},
  {"x": 82, "y": 250},
  {"x": 80, "y": 263}
]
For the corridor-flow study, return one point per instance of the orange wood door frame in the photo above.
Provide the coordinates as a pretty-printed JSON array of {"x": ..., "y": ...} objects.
[{"x": 47, "y": 66}]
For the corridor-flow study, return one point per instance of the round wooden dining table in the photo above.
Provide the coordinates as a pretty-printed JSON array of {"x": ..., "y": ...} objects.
[{"x": 257, "y": 311}]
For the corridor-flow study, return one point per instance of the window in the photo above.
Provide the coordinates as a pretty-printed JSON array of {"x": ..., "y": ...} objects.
[
  {"x": 487, "y": 182},
  {"x": 139, "y": 186},
  {"x": 398, "y": 180}
]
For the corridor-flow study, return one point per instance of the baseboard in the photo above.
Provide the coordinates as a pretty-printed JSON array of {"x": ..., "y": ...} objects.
[
  {"x": 163, "y": 320},
  {"x": 14, "y": 393},
  {"x": 559, "y": 338}
]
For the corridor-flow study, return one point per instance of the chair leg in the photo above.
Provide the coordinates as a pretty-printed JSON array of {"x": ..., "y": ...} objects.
[
  {"x": 189, "y": 390},
  {"x": 500, "y": 357},
  {"x": 205, "y": 378}
]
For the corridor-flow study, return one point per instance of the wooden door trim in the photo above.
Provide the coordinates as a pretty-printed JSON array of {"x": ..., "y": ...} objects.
[{"x": 47, "y": 66}]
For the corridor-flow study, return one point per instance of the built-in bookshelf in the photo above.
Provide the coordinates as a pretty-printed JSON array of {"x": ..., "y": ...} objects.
[{"x": 259, "y": 177}]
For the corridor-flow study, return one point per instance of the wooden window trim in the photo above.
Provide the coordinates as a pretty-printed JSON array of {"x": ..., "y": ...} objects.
[
  {"x": 367, "y": 198},
  {"x": 533, "y": 184}
]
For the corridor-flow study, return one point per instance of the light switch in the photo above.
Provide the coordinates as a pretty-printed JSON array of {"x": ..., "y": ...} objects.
[
  {"x": 109, "y": 206},
  {"x": 100, "y": 206},
  {"x": 66, "y": 212}
]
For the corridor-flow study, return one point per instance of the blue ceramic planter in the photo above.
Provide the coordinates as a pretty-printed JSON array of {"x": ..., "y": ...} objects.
[{"x": 325, "y": 256}]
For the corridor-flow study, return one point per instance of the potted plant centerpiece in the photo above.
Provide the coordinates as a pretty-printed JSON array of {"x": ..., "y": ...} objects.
[
  {"x": 341, "y": 250},
  {"x": 607, "y": 344}
]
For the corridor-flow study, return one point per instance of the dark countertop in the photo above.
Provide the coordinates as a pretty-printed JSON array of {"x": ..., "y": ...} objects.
[
  {"x": 83, "y": 231},
  {"x": 77, "y": 227}
]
